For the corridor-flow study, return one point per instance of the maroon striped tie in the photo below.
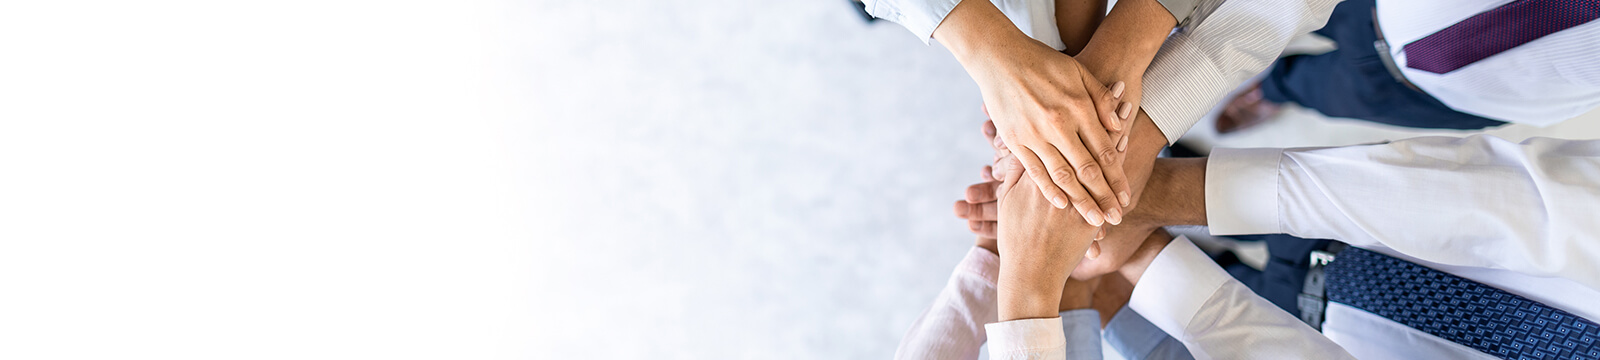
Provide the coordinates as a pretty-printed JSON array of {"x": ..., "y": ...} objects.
[{"x": 1497, "y": 30}]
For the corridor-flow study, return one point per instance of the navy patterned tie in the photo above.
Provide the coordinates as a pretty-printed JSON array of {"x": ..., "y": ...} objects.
[
  {"x": 1496, "y": 30},
  {"x": 1463, "y": 311}
]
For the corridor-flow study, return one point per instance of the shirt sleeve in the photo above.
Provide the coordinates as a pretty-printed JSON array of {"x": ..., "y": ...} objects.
[
  {"x": 1200, "y": 64},
  {"x": 953, "y": 328},
  {"x": 1081, "y": 331},
  {"x": 1189, "y": 297},
  {"x": 1478, "y": 201},
  {"x": 1136, "y": 338},
  {"x": 1036, "y": 18}
]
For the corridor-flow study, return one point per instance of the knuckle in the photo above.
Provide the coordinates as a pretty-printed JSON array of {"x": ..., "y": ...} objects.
[
  {"x": 1089, "y": 172},
  {"x": 1107, "y": 154},
  {"x": 1062, "y": 174}
]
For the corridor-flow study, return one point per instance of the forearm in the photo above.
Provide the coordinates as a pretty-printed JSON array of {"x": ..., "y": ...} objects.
[
  {"x": 976, "y": 32},
  {"x": 1174, "y": 195},
  {"x": 1126, "y": 41},
  {"x": 1076, "y": 20},
  {"x": 1030, "y": 282}
]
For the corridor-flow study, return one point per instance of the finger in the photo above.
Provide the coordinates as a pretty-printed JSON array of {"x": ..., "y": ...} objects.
[
  {"x": 1062, "y": 174},
  {"x": 1101, "y": 173},
  {"x": 988, "y": 130},
  {"x": 987, "y": 173},
  {"x": 989, "y": 211},
  {"x": 982, "y": 193},
  {"x": 1106, "y": 106},
  {"x": 1000, "y": 148},
  {"x": 1091, "y": 176},
  {"x": 1093, "y": 252},
  {"x": 1040, "y": 171},
  {"x": 1127, "y": 120},
  {"x": 971, "y": 211},
  {"x": 987, "y": 229},
  {"x": 1010, "y": 169}
]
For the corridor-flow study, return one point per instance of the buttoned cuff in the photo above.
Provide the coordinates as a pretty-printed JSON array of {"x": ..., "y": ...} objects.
[
  {"x": 919, "y": 16},
  {"x": 1081, "y": 329},
  {"x": 981, "y": 262},
  {"x": 1242, "y": 191},
  {"x": 1027, "y": 339},
  {"x": 1175, "y": 286}
]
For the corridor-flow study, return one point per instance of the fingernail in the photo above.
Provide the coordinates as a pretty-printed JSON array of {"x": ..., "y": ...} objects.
[
  {"x": 1116, "y": 89},
  {"x": 1122, "y": 112},
  {"x": 1093, "y": 252},
  {"x": 1058, "y": 202},
  {"x": 988, "y": 130},
  {"x": 1125, "y": 198},
  {"x": 1122, "y": 144},
  {"x": 1114, "y": 217},
  {"x": 1095, "y": 218}
]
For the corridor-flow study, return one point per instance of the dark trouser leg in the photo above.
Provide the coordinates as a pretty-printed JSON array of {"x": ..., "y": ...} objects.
[
  {"x": 1352, "y": 82},
  {"x": 1285, "y": 274}
]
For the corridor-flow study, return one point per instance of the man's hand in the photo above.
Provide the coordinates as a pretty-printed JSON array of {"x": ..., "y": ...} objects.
[{"x": 1052, "y": 113}]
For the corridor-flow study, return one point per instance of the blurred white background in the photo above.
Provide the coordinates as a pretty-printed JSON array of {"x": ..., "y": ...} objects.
[{"x": 484, "y": 179}]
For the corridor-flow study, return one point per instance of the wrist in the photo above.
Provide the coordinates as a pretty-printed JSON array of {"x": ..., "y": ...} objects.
[
  {"x": 978, "y": 34},
  {"x": 1028, "y": 301},
  {"x": 1144, "y": 255}
]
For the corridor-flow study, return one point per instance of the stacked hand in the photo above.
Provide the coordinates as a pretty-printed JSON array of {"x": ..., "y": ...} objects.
[
  {"x": 1055, "y": 117},
  {"x": 1116, "y": 245},
  {"x": 1063, "y": 124}
]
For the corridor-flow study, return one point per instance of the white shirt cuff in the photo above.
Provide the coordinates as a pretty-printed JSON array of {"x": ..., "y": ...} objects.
[
  {"x": 1175, "y": 286},
  {"x": 1027, "y": 339},
  {"x": 1242, "y": 191}
]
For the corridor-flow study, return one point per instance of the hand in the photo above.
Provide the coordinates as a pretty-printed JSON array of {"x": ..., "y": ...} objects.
[
  {"x": 1051, "y": 112},
  {"x": 980, "y": 209},
  {"x": 1114, "y": 250},
  {"x": 1048, "y": 118},
  {"x": 1039, "y": 245}
]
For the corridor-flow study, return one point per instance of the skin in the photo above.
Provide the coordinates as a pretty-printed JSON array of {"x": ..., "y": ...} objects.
[
  {"x": 1058, "y": 125},
  {"x": 1076, "y": 21},
  {"x": 1036, "y": 248},
  {"x": 1051, "y": 110}
]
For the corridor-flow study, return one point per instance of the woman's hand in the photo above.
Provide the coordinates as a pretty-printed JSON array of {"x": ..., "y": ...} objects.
[{"x": 1051, "y": 112}]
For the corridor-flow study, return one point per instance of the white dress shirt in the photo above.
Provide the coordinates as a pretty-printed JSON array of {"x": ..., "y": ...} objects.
[
  {"x": 1542, "y": 82},
  {"x": 1518, "y": 217},
  {"x": 964, "y": 315}
]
